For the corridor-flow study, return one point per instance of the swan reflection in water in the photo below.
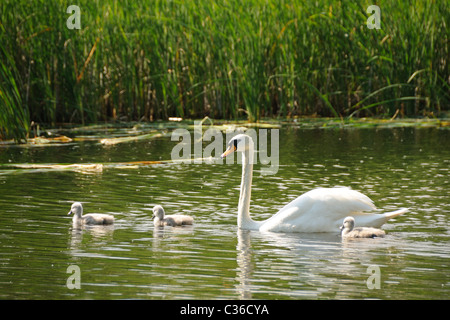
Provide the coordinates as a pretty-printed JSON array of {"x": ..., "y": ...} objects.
[
  {"x": 302, "y": 260},
  {"x": 99, "y": 235}
]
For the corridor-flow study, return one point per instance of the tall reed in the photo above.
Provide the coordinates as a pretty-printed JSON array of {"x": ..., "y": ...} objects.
[
  {"x": 14, "y": 118},
  {"x": 152, "y": 59}
]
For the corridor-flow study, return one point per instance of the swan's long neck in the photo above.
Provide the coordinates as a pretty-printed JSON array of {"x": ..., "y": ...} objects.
[{"x": 244, "y": 219}]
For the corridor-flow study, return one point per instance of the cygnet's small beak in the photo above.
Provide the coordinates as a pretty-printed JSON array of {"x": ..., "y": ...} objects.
[
  {"x": 69, "y": 212},
  {"x": 341, "y": 227},
  {"x": 153, "y": 217},
  {"x": 229, "y": 150}
]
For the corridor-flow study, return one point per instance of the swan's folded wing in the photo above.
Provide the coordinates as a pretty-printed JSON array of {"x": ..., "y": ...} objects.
[
  {"x": 319, "y": 210},
  {"x": 180, "y": 219},
  {"x": 89, "y": 219},
  {"x": 98, "y": 218},
  {"x": 340, "y": 199}
]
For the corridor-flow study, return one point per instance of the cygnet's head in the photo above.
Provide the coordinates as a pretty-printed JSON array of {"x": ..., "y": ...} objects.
[
  {"x": 76, "y": 209},
  {"x": 348, "y": 224},
  {"x": 158, "y": 212},
  {"x": 240, "y": 142}
]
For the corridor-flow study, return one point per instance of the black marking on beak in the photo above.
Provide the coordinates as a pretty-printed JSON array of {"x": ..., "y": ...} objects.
[{"x": 231, "y": 148}]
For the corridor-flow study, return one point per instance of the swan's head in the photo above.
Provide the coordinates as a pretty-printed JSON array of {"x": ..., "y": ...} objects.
[
  {"x": 76, "y": 209},
  {"x": 158, "y": 212},
  {"x": 348, "y": 224},
  {"x": 240, "y": 142}
]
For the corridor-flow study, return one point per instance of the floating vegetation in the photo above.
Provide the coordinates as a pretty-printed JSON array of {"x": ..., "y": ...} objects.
[
  {"x": 39, "y": 142},
  {"x": 111, "y": 141},
  {"x": 330, "y": 123},
  {"x": 89, "y": 168},
  {"x": 95, "y": 134},
  {"x": 123, "y": 133},
  {"x": 32, "y": 167},
  {"x": 45, "y": 140}
]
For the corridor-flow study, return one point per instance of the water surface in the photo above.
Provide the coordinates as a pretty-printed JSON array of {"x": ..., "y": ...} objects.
[{"x": 396, "y": 167}]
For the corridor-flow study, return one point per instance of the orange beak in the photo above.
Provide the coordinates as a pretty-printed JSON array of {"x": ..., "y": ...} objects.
[{"x": 229, "y": 150}]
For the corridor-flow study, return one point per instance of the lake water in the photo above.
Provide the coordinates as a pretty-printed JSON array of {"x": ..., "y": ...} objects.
[{"x": 395, "y": 167}]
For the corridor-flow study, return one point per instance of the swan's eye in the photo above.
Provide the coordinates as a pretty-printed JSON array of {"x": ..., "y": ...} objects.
[{"x": 235, "y": 142}]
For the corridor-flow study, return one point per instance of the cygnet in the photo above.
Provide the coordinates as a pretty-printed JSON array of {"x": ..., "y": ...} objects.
[
  {"x": 348, "y": 230},
  {"x": 91, "y": 219},
  {"x": 160, "y": 219}
]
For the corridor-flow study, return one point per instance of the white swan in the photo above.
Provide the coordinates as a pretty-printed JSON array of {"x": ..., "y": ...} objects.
[
  {"x": 319, "y": 210},
  {"x": 348, "y": 230},
  {"x": 91, "y": 218},
  {"x": 160, "y": 220}
]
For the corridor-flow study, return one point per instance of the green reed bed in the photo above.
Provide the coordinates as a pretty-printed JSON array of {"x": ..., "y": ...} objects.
[{"x": 147, "y": 60}]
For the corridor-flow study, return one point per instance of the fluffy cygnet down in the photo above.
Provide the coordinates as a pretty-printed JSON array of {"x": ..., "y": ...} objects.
[
  {"x": 160, "y": 219},
  {"x": 348, "y": 230},
  {"x": 91, "y": 219}
]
